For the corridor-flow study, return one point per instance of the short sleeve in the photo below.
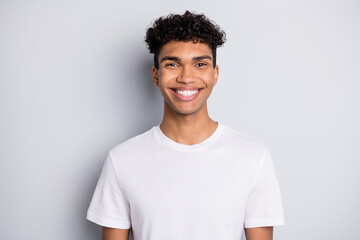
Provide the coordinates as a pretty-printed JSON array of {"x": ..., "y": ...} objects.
[
  {"x": 109, "y": 207},
  {"x": 264, "y": 204}
]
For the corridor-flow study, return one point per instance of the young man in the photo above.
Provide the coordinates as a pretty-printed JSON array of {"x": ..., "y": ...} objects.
[{"x": 189, "y": 177}]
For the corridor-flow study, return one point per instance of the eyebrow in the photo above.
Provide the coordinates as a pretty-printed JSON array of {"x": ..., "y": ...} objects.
[
  {"x": 202, "y": 58},
  {"x": 170, "y": 58},
  {"x": 179, "y": 59}
]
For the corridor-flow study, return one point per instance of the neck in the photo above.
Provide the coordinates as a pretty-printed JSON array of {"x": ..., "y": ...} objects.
[{"x": 187, "y": 129}]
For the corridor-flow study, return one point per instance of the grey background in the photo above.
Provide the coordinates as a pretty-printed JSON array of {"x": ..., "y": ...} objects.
[{"x": 75, "y": 81}]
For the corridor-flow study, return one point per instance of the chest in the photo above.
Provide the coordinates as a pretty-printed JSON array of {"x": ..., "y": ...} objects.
[{"x": 191, "y": 186}]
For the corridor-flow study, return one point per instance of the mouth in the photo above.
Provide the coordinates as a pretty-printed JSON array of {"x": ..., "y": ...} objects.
[{"x": 186, "y": 92}]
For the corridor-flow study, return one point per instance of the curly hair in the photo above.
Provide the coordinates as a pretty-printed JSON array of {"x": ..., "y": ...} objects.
[{"x": 186, "y": 27}]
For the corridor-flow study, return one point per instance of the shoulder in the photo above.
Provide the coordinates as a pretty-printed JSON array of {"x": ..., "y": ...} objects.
[
  {"x": 134, "y": 144},
  {"x": 238, "y": 139}
]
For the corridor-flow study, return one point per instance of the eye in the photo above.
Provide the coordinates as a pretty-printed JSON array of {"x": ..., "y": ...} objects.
[
  {"x": 171, "y": 65},
  {"x": 200, "y": 64}
]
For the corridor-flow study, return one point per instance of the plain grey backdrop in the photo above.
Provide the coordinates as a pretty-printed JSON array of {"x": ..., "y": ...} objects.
[{"x": 76, "y": 81}]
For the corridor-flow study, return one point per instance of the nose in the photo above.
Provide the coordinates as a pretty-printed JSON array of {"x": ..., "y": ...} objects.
[{"x": 186, "y": 75}]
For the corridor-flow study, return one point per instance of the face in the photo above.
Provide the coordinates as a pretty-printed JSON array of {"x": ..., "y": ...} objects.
[{"x": 186, "y": 76}]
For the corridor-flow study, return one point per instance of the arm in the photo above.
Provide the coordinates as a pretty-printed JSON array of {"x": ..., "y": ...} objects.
[
  {"x": 259, "y": 233},
  {"x": 115, "y": 234}
]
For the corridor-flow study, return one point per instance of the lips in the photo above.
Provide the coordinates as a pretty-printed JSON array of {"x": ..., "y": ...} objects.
[
  {"x": 186, "y": 94},
  {"x": 186, "y": 88}
]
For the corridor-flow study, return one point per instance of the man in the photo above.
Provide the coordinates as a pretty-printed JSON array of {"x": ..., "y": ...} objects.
[{"x": 189, "y": 177}]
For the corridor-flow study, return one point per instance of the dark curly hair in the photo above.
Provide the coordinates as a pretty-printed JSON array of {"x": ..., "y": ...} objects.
[{"x": 186, "y": 27}]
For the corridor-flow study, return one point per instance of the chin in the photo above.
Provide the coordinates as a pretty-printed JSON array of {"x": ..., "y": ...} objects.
[{"x": 186, "y": 111}]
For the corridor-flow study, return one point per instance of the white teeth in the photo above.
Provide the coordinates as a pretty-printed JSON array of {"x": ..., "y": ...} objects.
[{"x": 187, "y": 93}]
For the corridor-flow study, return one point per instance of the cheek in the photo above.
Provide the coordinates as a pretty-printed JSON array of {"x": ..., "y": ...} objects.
[
  {"x": 209, "y": 79},
  {"x": 166, "y": 76},
  {"x": 170, "y": 74}
]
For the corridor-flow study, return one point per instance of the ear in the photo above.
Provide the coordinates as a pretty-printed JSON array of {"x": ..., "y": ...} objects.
[
  {"x": 216, "y": 74},
  {"x": 155, "y": 76}
]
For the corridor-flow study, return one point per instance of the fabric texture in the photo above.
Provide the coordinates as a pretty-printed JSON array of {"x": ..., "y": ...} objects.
[{"x": 164, "y": 190}]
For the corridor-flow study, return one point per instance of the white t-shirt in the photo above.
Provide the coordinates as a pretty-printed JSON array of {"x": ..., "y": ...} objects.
[{"x": 166, "y": 190}]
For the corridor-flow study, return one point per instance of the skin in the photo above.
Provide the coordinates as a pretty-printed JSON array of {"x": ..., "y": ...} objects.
[
  {"x": 186, "y": 65},
  {"x": 259, "y": 233},
  {"x": 115, "y": 234},
  {"x": 186, "y": 122}
]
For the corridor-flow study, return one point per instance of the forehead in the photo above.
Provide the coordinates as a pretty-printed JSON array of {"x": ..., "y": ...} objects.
[{"x": 182, "y": 48}]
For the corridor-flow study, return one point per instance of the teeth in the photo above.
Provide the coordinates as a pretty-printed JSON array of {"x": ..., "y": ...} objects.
[{"x": 187, "y": 93}]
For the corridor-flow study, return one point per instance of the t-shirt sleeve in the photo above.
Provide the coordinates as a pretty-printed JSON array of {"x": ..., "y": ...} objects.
[
  {"x": 264, "y": 204},
  {"x": 109, "y": 206}
]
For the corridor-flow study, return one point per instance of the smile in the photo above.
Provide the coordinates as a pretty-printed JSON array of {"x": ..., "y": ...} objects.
[{"x": 186, "y": 94}]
